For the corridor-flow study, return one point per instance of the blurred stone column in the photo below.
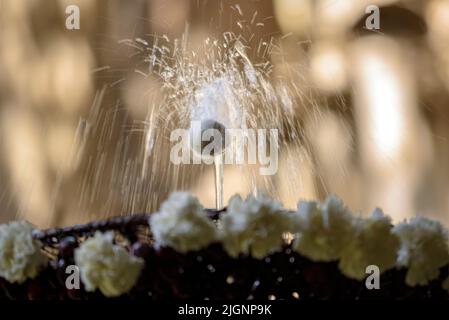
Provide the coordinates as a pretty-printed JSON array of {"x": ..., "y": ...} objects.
[{"x": 395, "y": 145}]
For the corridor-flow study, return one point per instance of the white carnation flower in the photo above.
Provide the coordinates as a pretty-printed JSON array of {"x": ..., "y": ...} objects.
[
  {"x": 373, "y": 244},
  {"x": 423, "y": 249},
  {"x": 323, "y": 231},
  {"x": 20, "y": 255},
  {"x": 253, "y": 226},
  {"x": 106, "y": 266},
  {"x": 182, "y": 224}
]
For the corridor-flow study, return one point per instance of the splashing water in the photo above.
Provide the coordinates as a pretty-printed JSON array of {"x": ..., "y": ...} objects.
[
  {"x": 228, "y": 80},
  {"x": 219, "y": 81}
]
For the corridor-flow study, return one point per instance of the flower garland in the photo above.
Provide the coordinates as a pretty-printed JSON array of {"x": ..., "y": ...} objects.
[{"x": 256, "y": 226}]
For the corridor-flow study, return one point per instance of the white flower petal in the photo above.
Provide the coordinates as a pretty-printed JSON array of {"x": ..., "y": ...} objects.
[
  {"x": 253, "y": 226},
  {"x": 373, "y": 244},
  {"x": 323, "y": 231},
  {"x": 106, "y": 266},
  {"x": 20, "y": 255},
  {"x": 423, "y": 249},
  {"x": 182, "y": 224}
]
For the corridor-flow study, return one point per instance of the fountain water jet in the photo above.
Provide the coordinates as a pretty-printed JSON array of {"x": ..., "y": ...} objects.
[
  {"x": 218, "y": 149},
  {"x": 227, "y": 83}
]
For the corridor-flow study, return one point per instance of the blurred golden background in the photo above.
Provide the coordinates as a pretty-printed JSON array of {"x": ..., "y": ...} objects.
[{"x": 371, "y": 105}]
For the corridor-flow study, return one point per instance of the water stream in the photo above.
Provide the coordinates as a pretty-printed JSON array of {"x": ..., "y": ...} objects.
[{"x": 218, "y": 164}]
